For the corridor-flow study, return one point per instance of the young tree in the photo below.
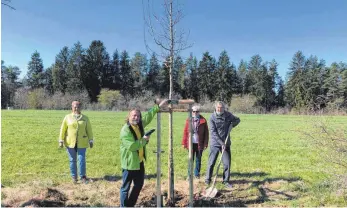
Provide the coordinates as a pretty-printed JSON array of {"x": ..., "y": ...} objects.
[{"x": 171, "y": 41}]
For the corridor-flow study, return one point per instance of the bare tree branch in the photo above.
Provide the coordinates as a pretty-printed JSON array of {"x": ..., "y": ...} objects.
[
  {"x": 166, "y": 8},
  {"x": 7, "y": 4},
  {"x": 163, "y": 39},
  {"x": 330, "y": 142}
]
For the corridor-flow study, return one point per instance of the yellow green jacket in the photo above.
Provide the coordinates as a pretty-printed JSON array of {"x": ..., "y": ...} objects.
[
  {"x": 130, "y": 144},
  {"x": 72, "y": 130}
]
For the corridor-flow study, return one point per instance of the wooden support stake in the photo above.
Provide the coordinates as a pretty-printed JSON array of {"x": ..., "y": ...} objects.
[
  {"x": 191, "y": 130},
  {"x": 175, "y": 102},
  {"x": 158, "y": 152}
]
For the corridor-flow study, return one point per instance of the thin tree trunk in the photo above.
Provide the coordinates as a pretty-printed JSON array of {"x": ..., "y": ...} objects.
[{"x": 171, "y": 199}]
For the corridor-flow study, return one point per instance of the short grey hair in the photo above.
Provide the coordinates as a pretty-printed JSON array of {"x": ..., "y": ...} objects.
[{"x": 219, "y": 103}]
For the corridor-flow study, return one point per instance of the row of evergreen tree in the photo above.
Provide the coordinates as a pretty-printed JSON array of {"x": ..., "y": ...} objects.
[{"x": 310, "y": 83}]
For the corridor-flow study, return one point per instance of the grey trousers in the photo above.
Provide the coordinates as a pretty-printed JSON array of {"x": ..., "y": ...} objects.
[{"x": 212, "y": 158}]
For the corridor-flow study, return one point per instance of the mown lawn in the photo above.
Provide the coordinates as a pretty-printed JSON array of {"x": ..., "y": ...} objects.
[{"x": 265, "y": 149}]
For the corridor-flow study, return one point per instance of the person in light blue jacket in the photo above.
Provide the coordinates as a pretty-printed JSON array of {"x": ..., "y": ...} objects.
[{"x": 221, "y": 121}]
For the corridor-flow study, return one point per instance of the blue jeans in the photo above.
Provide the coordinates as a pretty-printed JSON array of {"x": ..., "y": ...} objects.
[
  {"x": 197, "y": 154},
  {"x": 129, "y": 176},
  {"x": 75, "y": 153},
  {"x": 214, "y": 151}
]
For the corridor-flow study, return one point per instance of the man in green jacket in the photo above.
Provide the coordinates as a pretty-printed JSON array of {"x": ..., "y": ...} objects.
[{"x": 133, "y": 153}]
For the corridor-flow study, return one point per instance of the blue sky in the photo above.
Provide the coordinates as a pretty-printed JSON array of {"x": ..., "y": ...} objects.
[{"x": 274, "y": 29}]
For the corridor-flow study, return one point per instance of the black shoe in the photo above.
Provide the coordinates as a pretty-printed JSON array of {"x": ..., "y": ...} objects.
[
  {"x": 197, "y": 177},
  {"x": 227, "y": 185},
  {"x": 207, "y": 182},
  {"x": 84, "y": 179}
]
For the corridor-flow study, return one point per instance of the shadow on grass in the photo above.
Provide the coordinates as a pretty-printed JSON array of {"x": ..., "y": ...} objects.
[
  {"x": 111, "y": 178},
  {"x": 248, "y": 175},
  {"x": 250, "y": 191},
  {"x": 150, "y": 176}
]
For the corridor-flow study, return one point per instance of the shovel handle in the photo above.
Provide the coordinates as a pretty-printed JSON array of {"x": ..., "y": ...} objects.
[{"x": 220, "y": 161}]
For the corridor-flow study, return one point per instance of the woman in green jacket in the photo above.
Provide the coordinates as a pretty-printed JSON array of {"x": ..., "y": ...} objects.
[
  {"x": 133, "y": 153},
  {"x": 76, "y": 135}
]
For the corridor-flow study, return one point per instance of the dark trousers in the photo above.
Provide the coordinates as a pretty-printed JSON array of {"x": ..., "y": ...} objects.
[
  {"x": 212, "y": 157},
  {"x": 197, "y": 154},
  {"x": 129, "y": 176}
]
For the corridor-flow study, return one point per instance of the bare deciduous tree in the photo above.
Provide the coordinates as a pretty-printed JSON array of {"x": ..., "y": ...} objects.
[
  {"x": 331, "y": 141},
  {"x": 163, "y": 29}
]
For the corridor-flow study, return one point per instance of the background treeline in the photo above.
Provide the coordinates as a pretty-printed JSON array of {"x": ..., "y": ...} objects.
[{"x": 113, "y": 82}]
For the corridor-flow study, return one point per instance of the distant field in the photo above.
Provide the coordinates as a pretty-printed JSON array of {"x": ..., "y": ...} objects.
[{"x": 264, "y": 148}]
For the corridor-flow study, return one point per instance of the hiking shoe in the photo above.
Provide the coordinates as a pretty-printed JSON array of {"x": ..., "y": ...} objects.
[
  {"x": 74, "y": 180},
  {"x": 84, "y": 179},
  {"x": 207, "y": 182},
  {"x": 227, "y": 185}
]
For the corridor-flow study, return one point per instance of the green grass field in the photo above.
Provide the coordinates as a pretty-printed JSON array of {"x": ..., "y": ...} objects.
[{"x": 265, "y": 149}]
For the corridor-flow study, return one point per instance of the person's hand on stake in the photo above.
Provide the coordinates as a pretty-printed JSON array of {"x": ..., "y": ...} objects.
[
  {"x": 146, "y": 138},
  {"x": 163, "y": 102}
]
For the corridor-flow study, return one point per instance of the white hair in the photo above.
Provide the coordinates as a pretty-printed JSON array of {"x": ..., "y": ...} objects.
[
  {"x": 196, "y": 108},
  {"x": 216, "y": 103}
]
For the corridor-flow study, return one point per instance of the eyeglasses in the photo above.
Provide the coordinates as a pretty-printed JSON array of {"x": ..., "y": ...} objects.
[{"x": 195, "y": 111}]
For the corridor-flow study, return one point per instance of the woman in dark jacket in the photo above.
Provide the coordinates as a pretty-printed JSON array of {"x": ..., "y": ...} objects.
[{"x": 199, "y": 139}]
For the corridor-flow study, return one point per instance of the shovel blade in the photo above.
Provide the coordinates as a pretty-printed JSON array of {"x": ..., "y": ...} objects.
[{"x": 210, "y": 192}]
